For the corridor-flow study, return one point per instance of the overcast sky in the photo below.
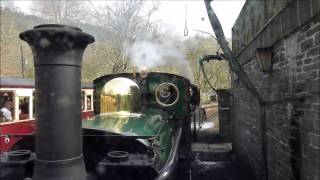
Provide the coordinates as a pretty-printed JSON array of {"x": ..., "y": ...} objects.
[{"x": 172, "y": 14}]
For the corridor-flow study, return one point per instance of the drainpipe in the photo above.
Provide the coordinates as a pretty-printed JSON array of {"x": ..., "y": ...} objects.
[{"x": 57, "y": 52}]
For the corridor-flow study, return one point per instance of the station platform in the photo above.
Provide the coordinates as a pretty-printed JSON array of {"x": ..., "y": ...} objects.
[{"x": 213, "y": 158}]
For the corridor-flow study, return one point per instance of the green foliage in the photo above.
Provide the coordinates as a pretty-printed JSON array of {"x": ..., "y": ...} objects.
[{"x": 216, "y": 71}]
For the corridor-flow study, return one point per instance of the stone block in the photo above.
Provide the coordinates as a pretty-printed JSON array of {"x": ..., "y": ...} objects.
[
  {"x": 282, "y": 57},
  {"x": 314, "y": 51},
  {"x": 305, "y": 28},
  {"x": 316, "y": 107},
  {"x": 310, "y": 67},
  {"x": 305, "y": 141},
  {"x": 313, "y": 114},
  {"x": 278, "y": 46},
  {"x": 284, "y": 85},
  {"x": 299, "y": 63},
  {"x": 314, "y": 86},
  {"x": 307, "y": 61},
  {"x": 316, "y": 125},
  {"x": 300, "y": 56},
  {"x": 314, "y": 99},
  {"x": 314, "y": 155},
  {"x": 313, "y": 30},
  {"x": 303, "y": 106},
  {"x": 298, "y": 69},
  {"x": 296, "y": 122},
  {"x": 275, "y": 59},
  {"x": 317, "y": 39},
  {"x": 307, "y": 75},
  {"x": 300, "y": 87},
  {"x": 301, "y": 37},
  {"x": 306, "y": 44},
  {"x": 316, "y": 59},
  {"x": 315, "y": 140}
]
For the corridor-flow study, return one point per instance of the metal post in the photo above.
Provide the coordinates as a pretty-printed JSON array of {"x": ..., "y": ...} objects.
[{"x": 57, "y": 52}]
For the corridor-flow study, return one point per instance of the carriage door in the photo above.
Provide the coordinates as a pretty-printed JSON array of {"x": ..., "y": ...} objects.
[
  {"x": 89, "y": 100},
  {"x": 25, "y": 104},
  {"x": 86, "y": 100}
]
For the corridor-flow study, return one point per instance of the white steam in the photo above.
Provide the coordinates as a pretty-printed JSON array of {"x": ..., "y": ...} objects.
[{"x": 150, "y": 53}]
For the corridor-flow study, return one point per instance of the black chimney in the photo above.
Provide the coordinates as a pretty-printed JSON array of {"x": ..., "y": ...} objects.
[{"x": 57, "y": 52}]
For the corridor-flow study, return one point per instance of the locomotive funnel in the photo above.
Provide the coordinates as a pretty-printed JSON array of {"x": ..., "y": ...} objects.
[{"x": 57, "y": 52}]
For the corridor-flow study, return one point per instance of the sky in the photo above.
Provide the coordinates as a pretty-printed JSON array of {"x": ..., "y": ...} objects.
[{"x": 172, "y": 14}]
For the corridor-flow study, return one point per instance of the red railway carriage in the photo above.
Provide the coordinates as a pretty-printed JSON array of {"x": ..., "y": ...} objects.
[{"x": 17, "y": 108}]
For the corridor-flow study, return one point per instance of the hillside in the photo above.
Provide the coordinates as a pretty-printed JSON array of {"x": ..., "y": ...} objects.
[
  {"x": 25, "y": 21},
  {"x": 13, "y": 23}
]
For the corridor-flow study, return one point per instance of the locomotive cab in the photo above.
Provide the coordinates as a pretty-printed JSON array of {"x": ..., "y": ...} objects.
[{"x": 142, "y": 127}]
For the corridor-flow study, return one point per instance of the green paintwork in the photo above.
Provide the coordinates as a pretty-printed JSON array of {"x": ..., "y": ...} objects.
[
  {"x": 155, "y": 79},
  {"x": 153, "y": 121},
  {"x": 150, "y": 122}
]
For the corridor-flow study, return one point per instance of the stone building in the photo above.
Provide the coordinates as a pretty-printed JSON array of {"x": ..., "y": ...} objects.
[{"x": 279, "y": 139}]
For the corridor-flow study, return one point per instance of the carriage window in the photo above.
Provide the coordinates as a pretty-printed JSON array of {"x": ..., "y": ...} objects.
[
  {"x": 24, "y": 107},
  {"x": 6, "y": 106},
  {"x": 89, "y": 102}
]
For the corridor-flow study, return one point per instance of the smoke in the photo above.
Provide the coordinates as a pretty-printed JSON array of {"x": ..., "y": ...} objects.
[{"x": 152, "y": 53}]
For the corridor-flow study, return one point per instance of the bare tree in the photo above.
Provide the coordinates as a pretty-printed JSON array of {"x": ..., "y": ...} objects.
[
  {"x": 123, "y": 21},
  {"x": 10, "y": 57},
  {"x": 6, "y": 4},
  {"x": 60, "y": 11}
]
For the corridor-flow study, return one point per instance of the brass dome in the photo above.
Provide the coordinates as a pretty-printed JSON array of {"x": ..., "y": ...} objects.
[{"x": 120, "y": 95}]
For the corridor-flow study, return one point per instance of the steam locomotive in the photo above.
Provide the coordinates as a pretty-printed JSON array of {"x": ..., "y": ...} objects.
[{"x": 141, "y": 128}]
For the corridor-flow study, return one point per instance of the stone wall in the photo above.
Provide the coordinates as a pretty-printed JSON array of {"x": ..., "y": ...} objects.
[{"x": 292, "y": 30}]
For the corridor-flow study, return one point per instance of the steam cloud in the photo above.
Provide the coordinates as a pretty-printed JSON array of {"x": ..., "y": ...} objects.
[{"x": 152, "y": 53}]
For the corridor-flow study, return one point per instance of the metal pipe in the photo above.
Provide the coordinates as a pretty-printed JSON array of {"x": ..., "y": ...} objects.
[{"x": 57, "y": 52}]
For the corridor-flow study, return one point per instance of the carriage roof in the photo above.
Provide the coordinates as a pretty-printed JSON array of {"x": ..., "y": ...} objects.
[{"x": 19, "y": 82}]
